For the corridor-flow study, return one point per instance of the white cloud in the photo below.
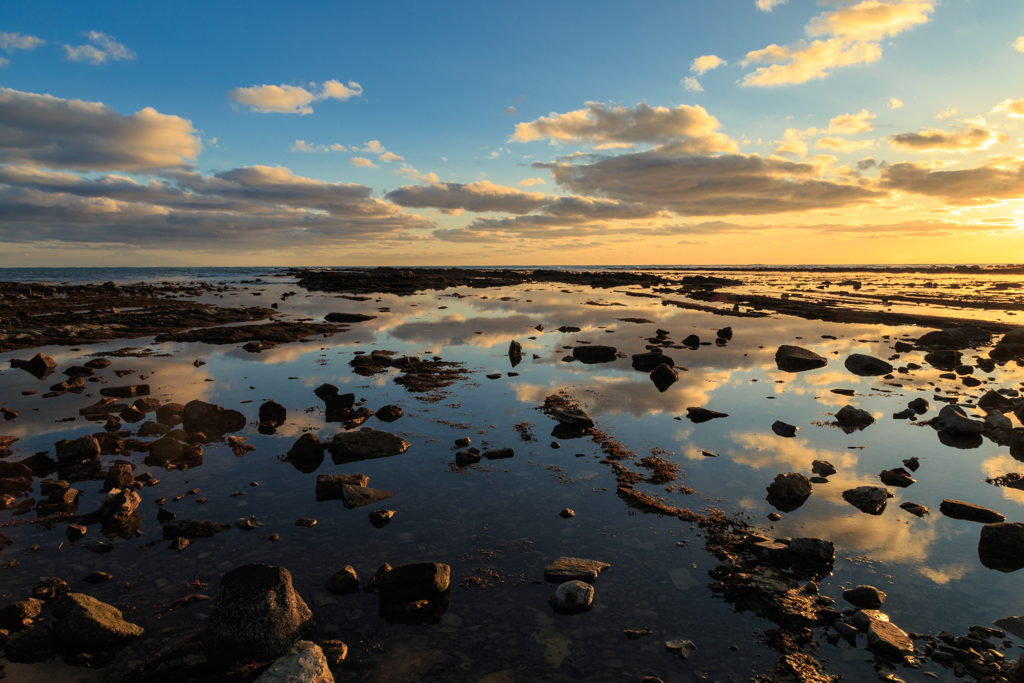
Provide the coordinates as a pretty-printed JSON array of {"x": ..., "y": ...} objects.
[
  {"x": 769, "y": 5},
  {"x": 411, "y": 172},
  {"x": 1018, "y": 45},
  {"x": 1014, "y": 108},
  {"x": 794, "y": 142},
  {"x": 686, "y": 127},
  {"x": 895, "y": 103},
  {"x": 843, "y": 145},
  {"x": 365, "y": 163},
  {"x": 530, "y": 182},
  {"x": 692, "y": 84},
  {"x": 291, "y": 99},
  {"x": 103, "y": 47},
  {"x": 338, "y": 148},
  {"x": 851, "y": 36},
  {"x": 388, "y": 157},
  {"x": 46, "y": 131},
  {"x": 946, "y": 113},
  {"x": 373, "y": 146},
  {"x": 702, "y": 65},
  {"x": 851, "y": 124},
  {"x": 15, "y": 41}
]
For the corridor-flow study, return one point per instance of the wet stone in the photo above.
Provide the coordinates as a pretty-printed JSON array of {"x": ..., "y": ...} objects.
[
  {"x": 958, "y": 509},
  {"x": 572, "y": 597},
  {"x": 343, "y": 582},
  {"x": 574, "y": 569}
]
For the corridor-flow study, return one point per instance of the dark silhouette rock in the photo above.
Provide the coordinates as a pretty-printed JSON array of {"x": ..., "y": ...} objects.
[
  {"x": 591, "y": 354},
  {"x": 348, "y": 317},
  {"x": 958, "y": 509},
  {"x": 867, "y": 366},
  {"x": 40, "y": 365},
  {"x": 797, "y": 359},
  {"x": 209, "y": 418},
  {"x": 84, "y": 623}
]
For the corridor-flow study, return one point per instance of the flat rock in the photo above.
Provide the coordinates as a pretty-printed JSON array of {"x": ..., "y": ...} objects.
[
  {"x": 888, "y": 641},
  {"x": 797, "y": 359},
  {"x": 867, "y": 366},
  {"x": 358, "y": 496},
  {"x": 84, "y": 623},
  {"x": 576, "y": 418},
  {"x": 348, "y": 317},
  {"x": 958, "y": 509},
  {"x": 594, "y": 353},
  {"x": 366, "y": 444},
  {"x": 200, "y": 416},
  {"x": 646, "y": 362},
  {"x": 698, "y": 414},
  {"x": 869, "y": 499},
  {"x": 574, "y": 569},
  {"x": 331, "y": 486},
  {"x": 304, "y": 663},
  {"x": 896, "y": 477},
  {"x": 915, "y": 509}
]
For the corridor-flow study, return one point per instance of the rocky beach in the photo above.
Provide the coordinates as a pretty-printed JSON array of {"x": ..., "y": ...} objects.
[{"x": 508, "y": 475}]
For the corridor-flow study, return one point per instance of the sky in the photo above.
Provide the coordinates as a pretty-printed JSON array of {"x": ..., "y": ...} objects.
[{"x": 554, "y": 133}]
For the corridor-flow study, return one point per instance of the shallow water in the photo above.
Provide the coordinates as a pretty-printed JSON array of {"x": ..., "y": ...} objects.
[{"x": 502, "y": 516}]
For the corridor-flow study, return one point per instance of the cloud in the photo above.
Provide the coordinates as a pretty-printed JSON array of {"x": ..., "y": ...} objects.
[
  {"x": 734, "y": 184},
  {"x": 999, "y": 179},
  {"x": 411, "y": 172},
  {"x": 946, "y": 113},
  {"x": 530, "y": 182},
  {"x": 103, "y": 47},
  {"x": 794, "y": 143},
  {"x": 851, "y": 36},
  {"x": 478, "y": 197},
  {"x": 1014, "y": 108},
  {"x": 701, "y": 65},
  {"x": 303, "y": 146},
  {"x": 373, "y": 146},
  {"x": 365, "y": 163},
  {"x": 510, "y": 111},
  {"x": 895, "y": 103},
  {"x": 843, "y": 145},
  {"x": 1018, "y": 44},
  {"x": 692, "y": 84},
  {"x": 42, "y": 130},
  {"x": 388, "y": 157},
  {"x": 851, "y": 124},
  {"x": 16, "y": 41},
  {"x": 768, "y": 5},
  {"x": 4, "y": 62},
  {"x": 689, "y": 127},
  {"x": 969, "y": 138},
  {"x": 291, "y": 99}
]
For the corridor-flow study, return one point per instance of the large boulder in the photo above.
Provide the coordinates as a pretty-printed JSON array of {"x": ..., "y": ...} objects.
[
  {"x": 84, "y": 623},
  {"x": 304, "y": 663},
  {"x": 797, "y": 359},
  {"x": 209, "y": 418},
  {"x": 366, "y": 444},
  {"x": 952, "y": 418},
  {"x": 1001, "y": 545},
  {"x": 82, "y": 449},
  {"x": 257, "y": 615},
  {"x": 866, "y": 366},
  {"x": 594, "y": 353}
]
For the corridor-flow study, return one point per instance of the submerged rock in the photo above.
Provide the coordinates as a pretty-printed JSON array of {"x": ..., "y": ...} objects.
[
  {"x": 358, "y": 496},
  {"x": 572, "y": 597},
  {"x": 331, "y": 486}
]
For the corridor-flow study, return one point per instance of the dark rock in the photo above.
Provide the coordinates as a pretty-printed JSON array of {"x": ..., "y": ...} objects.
[
  {"x": 168, "y": 451},
  {"x": 331, "y": 486},
  {"x": 698, "y": 414},
  {"x": 50, "y": 589},
  {"x": 566, "y": 513},
  {"x": 306, "y": 453},
  {"x": 366, "y": 444},
  {"x": 119, "y": 476},
  {"x": 18, "y": 616},
  {"x": 813, "y": 551},
  {"x": 572, "y": 597},
  {"x": 866, "y": 366},
  {"x": 79, "y": 371},
  {"x": 499, "y": 453},
  {"x": 853, "y": 419},
  {"x": 594, "y": 353},
  {"x": 32, "y": 647},
  {"x": 343, "y": 582},
  {"x": 993, "y": 400},
  {"x": 868, "y": 597},
  {"x": 693, "y": 341},
  {"x": 415, "y": 581},
  {"x": 943, "y": 360},
  {"x": 783, "y": 429},
  {"x": 40, "y": 365},
  {"x": 125, "y": 391},
  {"x": 170, "y": 414},
  {"x": 358, "y": 496},
  {"x": 389, "y": 413},
  {"x": 75, "y": 532},
  {"x": 191, "y": 529},
  {"x": 85, "y": 623},
  {"x": 574, "y": 569},
  {"x": 97, "y": 577},
  {"x": 919, "y": 406},
  {"x": 896, "y": 477},
  {"x": 823, "y": 467},
  {"x": 663, "y": 377},
  {"x": 466, "y": 458},
  {"x": 272, "y": 414},
  {"x": 869, "y": 499},
  {"x": 575, "y": 418},
  {"x": 944, "y": 339},
  {"x": 334, "y": 651},
  {"x": 257, "y": 615},
  {"x": 200, "y": 416},
  {"x": 888, "y": 641},
  {"x": 952, "y": 418},
  {"x": 646, "y": 362},
  {"x": 724, "y": 333},
  {"x": 1001, "y": 546},
  {"x": 788, "y": 491},
  {"x": 957, "y": 509},
  {"x": 147, "y": 405},
  {"x": 381, "y": 518},
  {"x": 915, "y": 509},
  {"x": 797, "y": 359},
  {"x": 348, "y": 317},
  {"x": 82, "y": 449},
  {"x": 164, "y": 515}
]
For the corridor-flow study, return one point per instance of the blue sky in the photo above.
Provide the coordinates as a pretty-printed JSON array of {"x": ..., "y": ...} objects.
[{"x": 861, "y": 131}]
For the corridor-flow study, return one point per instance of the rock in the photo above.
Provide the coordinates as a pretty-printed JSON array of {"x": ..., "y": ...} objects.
[
  {"x": 238, "y": 446},
  {"x": 698, "y": 415},
  {"x": 867, "y": 597},
  {"x": 132, "y": 415},
  {"x": 950, "y": 338},
  {"x": 943, "y": 360},
  {"x": 414, "y": 581},
  {"x": 358, "y": 496},
  {"x": 304, "y": 663},
  {"x": 40, "y": 365},
  {"x": 348, "y": 317},
  {"x": 888, "y": 641},
  {"x": 952, "y": 418},
  {"x": 680, "y": 647},
  {"x": 466, "y": 458},
  {"x": 366, "y": 444},
  {"x": 575, "y": 418},
  {"x": 170, "y": 413},
  {"x": 823, "y": 468},
  {"x": 574, "y": 569},
  {"x": 130, "y": 391},
  {"x": 783, "y": 429},
  {"x": 334, "y": 651},
  {"x": 257, "y": 615},
  {"x": 957, "y": 509},
  {"x": 118, "y": 505},
  {"x": 49, "y": 589},
  {"x": 869, "y": 499},
  {"x": 853, "y": 419},
  {"x": 646, "y": 362},
  {"x": 499, "y": 453},
  {"x": 331, "y": 486},
  {"x": 693, "y": 341},
  {"x": 79, "y": 371},
  {"x": 147, "y": 405},
  {"x": 199, "y": 416},
  {"x": 515, "y": 350},
  {"x": 993, "y": 400},
  {"x": 915, "y": 509},
  {"x": 97, "y": 577},
  {"x": 566, "y": 513},
  {"x": 18, "y": 616},
  {"x": 813, "y": 550},
  {"x": 797, "y": 359},
  {"x": 919, "y": 406},
  {"x": 75, "y": 532},
  {"x": 896, "y": 477},
  {"x": 572, "y": 597},
  {"x": 343, "y": 582},
  {"x": 462, "y": 442},
  {"x": 191, "y": 528},
  {"x": 1001, "y": 546},
  {"x": 724, "y": 333},
  {"x": 32, "y": 647},
  {"x": 82, "y": 449},
  {"x": 389, "y": 413},
  {"x": 306, "y": 453},
  {"x": 663, "y": 377},
  {"x": 119, "y": 476},
  {"x": 867, "y": 366},
  {"x": 85, "y": 623},
  {"x": 788, "y": 491},
  {"x": 272, "y": 414},
  {"x": 862, "y": 619},
  {"x": 168, "y": 451},
  {"x": 381, "y": 518}
]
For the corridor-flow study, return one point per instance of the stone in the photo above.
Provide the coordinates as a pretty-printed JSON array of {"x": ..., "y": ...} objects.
[
  {"x": 993, "y": 400},
  {"x": 861, "y": 619},
  {"x": 119, "y": 476},
  {"x": 867, "y": 366},
  {"x": 958, "y": 509},
  {"x": 200, "y": 416},
  {"x": 168, "y": 451},
  {"x": 118, "y": 504},
  {"x": 331, "y": 486},
  {"x": 724, "y": 333},
  {"x": 40, "y": 365},
  {"x": 257, "y": 615},
  {"x": 358, "y": 496},
  {"x": 366, "y": 444},
  {"x": 813, "y": 550},
  {"x": 868, "y": 499},
  {"x": 915, "y": 509},
  {"x": 304, "y": 663},
  {"x": 18, "y": 616},
  {"x": 698, "y": 414},
  {"x": 170, "y": 413},
  {"x": 783, "y": 429},
  {"x": 680, "y": 647},
  {"x": 192, "y": 528},
  {"x": 306, "y": 454},
  {"x": 49, "y": 589},
  {"x": 853, "y": 419},
  {"x": 952, "y": 418},
  {"x": 343, "y": 582},
  {"x": 888, "y": 641},
  {"x": 646, "y": 362},
  {"x": 499, "y": 453},
  {"x": 572, "y": 597},
  {"x": 31, "y": 647},
  {"x": 574, "y": 569},
  {"x": 348, "y": 317},
  {"x": 147, "y": 405},
  {"x": 334, "y": 651},
  {"x": 84, "y": 623},
  {"x": 945, "y": 359},
  {"x": 567, "y": 513},
  {"x": 272, "y": 414},
  {"x": 663, "y": 377},
  {"x": 867, "y": 597},
  {"x": 1001, "y": 546},
  {"x": 789, "y": 487},
  {"x": 466, "y": 458},
  {"x": 594, "y": 353},
  {"x": 950, "y": 338},
  {"x": 797, "y": 359},
  {"x": 97, "y": 577},
  {"x": 414, "y": 581},
  {"x": 896, "y": 477},
  {"x": 75, "y": 532},
  {"x": 575, "y": 418},
  {"x": 389, "y": 413},
  {"x": 823, "y": 468},
  {"x": 515, "y": 349},
  {"x": 693, "y": 341},
  {"x": 82, "y": 449},
  {"x": 381, "y": 518},
  {"x": 128, "y": 391},
  {"x": 919, "y": 406}
]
